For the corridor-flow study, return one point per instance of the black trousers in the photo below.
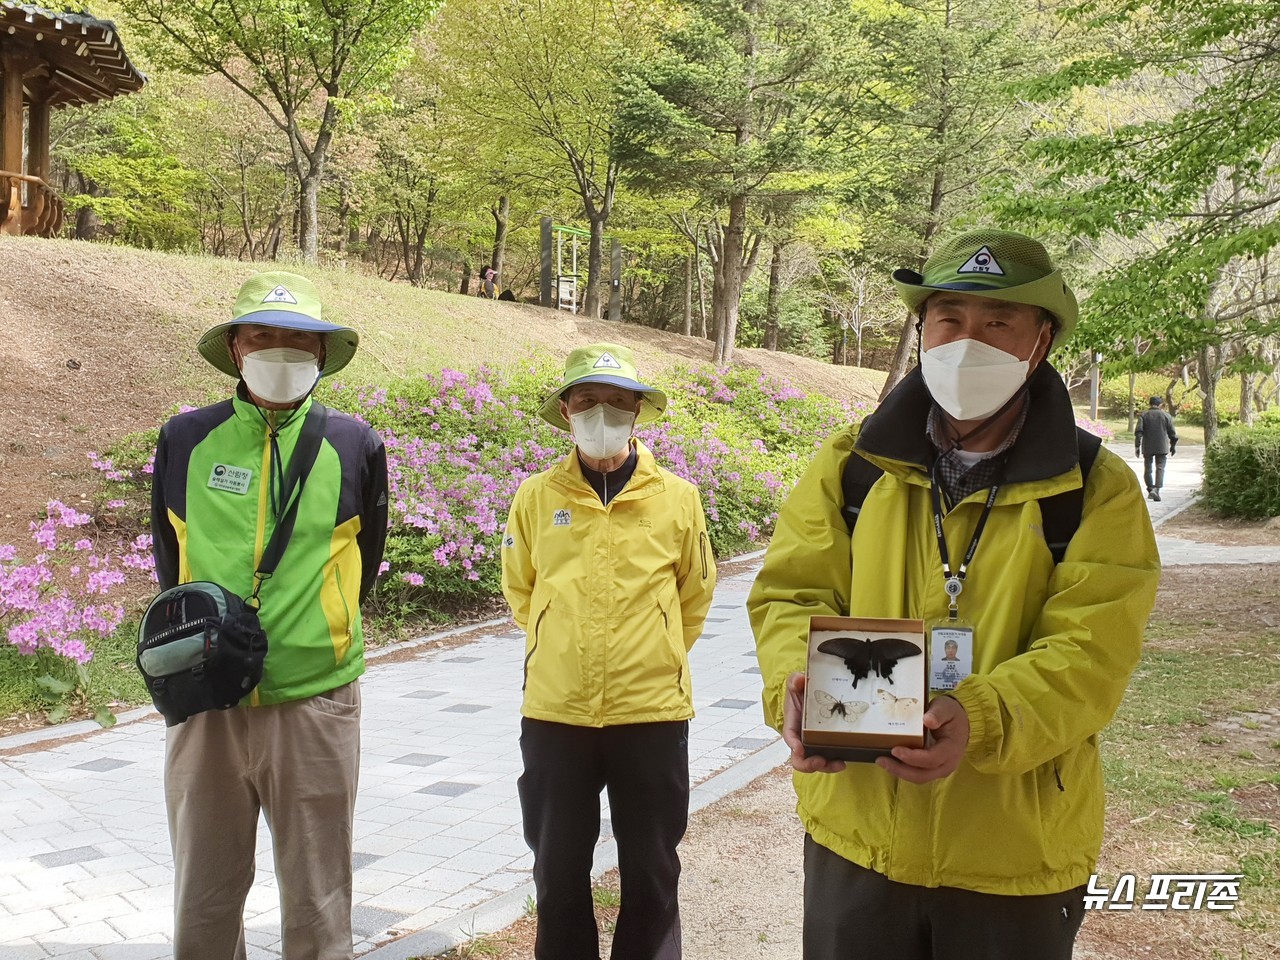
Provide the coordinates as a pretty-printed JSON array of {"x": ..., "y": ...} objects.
[
  {"x": 851, "y": 913},
  {"x": 1159, "y": 458},
  {"x": 645, "y": 768}
]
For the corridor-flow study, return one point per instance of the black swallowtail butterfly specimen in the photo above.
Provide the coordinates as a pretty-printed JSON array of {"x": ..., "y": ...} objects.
[
  {"x": 862, "y": 657},
  {"x": 851, "y": 710}
]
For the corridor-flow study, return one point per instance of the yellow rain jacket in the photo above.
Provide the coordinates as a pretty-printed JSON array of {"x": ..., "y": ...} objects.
[
  {"x": 1054, "y": 646},
  {"x": 611, "y": 598}
]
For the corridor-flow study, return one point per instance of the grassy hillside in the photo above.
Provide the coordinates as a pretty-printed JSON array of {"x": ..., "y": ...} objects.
[{"x": 100, "y": 341}]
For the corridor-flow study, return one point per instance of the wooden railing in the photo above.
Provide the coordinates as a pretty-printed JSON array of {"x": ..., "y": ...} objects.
[{"x": 41, "y": 216}]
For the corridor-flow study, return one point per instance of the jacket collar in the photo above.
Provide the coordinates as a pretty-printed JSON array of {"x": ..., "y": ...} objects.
[
  {"x": 646, "y": 481},
  {"x": 250, "y": 413},
  {"x": 1046, "y": 447}
]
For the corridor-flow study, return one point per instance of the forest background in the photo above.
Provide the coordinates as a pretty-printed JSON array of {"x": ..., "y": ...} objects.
[{"x": 765, "y": 164}]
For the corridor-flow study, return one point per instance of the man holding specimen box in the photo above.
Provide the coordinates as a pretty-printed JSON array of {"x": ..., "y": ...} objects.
[{"x": 970, "y": 502}]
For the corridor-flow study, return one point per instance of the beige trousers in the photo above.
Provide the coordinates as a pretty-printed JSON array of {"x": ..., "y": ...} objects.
[{"x": 296, "y": 762}]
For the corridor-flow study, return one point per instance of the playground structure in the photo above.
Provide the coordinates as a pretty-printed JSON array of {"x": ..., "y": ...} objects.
[
  {"x": 558, "y": 289},
  {"x": 48, "y": 60}
]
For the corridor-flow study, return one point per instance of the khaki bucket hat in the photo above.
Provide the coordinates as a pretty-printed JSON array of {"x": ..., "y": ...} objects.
[
  {"x": 603, "y": 363},
  {"x": 999, "y": 264}
]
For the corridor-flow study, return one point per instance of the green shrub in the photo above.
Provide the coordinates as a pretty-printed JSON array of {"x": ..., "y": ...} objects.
[
  {"x": 1114, "y": 397},
  {"x": 1242, "y": 473}
]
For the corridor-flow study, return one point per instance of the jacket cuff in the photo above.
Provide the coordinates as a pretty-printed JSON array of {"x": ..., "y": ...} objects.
[{"x": 980, "y": 707}]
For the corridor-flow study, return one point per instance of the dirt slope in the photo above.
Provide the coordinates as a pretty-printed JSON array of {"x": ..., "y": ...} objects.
[{"x": 99, "y": 341}]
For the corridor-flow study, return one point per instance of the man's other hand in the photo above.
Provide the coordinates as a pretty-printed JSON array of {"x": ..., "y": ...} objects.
[
  {"x": 792, "y": 718},
  {"x": 948, "y": 723}
]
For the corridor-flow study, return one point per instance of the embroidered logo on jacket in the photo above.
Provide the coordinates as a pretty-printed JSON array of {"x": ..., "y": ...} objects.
[{"x": 561, "y": 518}]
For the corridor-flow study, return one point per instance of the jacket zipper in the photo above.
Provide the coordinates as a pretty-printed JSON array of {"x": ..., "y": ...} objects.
[
  {"x": 1057, "y": 777},
  {"x": 702, "y": 551},
  {"x": 532, "y": 650},
  {"x": 346, "y": 609}
]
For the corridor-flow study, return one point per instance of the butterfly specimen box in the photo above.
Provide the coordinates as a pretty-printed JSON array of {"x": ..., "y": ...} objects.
[{"x": 866, "y": 687}]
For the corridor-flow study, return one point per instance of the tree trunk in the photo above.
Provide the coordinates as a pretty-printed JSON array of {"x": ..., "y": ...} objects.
[
  {"x": 464, "y": 288},
  {"x": 595, "y": 263},
  {"x": 687, "y": 326},
  {"x": 702, "y": 292},
  {"x": 733, "y": 267},
  {"x": 1246, "y": 399},
  {"x": 501, "y": 213},
  {"x": 1209, "y": 387},
  {"x": 309, "y": 216},
  {"x": 775, "y": 291}
]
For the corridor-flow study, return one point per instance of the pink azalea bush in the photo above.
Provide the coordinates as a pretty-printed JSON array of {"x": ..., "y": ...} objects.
[
  {"x": 458, "y": 446},
  {"x": 65, "y": 595}
]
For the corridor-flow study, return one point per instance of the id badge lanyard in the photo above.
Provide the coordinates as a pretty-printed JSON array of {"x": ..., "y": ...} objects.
[{"x": 953, "y": 583}]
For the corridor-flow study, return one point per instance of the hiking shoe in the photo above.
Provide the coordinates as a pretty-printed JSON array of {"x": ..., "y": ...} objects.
[{"x": 1155, "y": 495}]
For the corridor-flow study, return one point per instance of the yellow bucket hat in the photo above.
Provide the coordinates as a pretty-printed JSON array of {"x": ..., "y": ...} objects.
[{"x": 603, "y": 363}]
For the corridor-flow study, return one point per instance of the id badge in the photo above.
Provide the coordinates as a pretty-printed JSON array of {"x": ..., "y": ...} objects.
[{"x": 950, "y": 653}]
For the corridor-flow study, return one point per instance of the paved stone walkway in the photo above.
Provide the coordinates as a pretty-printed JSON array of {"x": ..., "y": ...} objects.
[{"x": 85, "y": 866}]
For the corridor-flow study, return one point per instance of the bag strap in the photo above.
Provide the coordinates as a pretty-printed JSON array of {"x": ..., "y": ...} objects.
[
  {"x": 856, "y": 481},
  {"x": 1060, "y": 514},
  {"x": 304, "y": 456}
]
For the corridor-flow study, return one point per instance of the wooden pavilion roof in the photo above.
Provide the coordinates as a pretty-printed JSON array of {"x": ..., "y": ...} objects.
[{"x": 80, "y": 58}]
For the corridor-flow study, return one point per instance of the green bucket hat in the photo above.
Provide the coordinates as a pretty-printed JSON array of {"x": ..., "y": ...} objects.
[
  {"x": 999, "y": 264},
  {"x": 603, "y": 363},
  {"x": 280, "y": 299}
]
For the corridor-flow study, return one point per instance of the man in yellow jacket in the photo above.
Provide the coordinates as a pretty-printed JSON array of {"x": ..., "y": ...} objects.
[
  {"x": 608, "y": 569},
  {"x": 978, "y": 844}
]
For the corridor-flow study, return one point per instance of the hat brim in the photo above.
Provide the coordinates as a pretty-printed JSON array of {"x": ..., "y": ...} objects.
[
  {"x": 340, "y": 342},
  {"x": 652, "y": 406},
  {"x": 1049, "y": 292}
]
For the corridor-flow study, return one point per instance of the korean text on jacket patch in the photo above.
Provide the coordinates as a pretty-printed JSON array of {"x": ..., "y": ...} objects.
[{"x": 229, "y": 478}]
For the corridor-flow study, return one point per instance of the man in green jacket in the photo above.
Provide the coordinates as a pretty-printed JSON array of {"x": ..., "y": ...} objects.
[
  {"x": 608, "y": 569},
  {"x": 291, "y": 748},
  {"x": 978, "y": 844}
]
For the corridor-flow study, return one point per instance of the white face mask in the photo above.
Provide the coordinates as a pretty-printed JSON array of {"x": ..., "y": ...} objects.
[
  {"x": 603, "y": 431},
  {"x": 280, "y": 374},
  {"x": 970, "y": 379}
]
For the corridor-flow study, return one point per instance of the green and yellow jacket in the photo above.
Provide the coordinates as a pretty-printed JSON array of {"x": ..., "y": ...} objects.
[
  {"x": 1054, "y": 646},
  {"x": 611, "y": 598},
  {"x": 212, "y": 516}
]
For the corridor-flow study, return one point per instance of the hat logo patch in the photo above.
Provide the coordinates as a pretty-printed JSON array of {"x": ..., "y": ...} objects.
[
  {"x": 983, "y": 261},
  {"x": 606, "y": 362},
  {"x": 280, "y": 295}
]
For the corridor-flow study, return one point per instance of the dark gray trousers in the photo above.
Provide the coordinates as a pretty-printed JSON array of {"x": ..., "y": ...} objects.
[
  {"x": 851, "y": 913},
  {"x": 1159, "y": 458},
  {"x": 645, "y": 768}
]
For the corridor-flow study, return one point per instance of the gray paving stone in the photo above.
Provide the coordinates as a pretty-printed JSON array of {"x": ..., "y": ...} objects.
[
  {"x": 367, "y": 921},
  {"x": 423, "y": 695},
  {"x": 462, "y": 660},
  {"x": 361, "y": 860},
  {"x": 448, "y": 788},
  {"x": 734, "y": 704},
  {"x": 419, "y": 759},
  {"x": 465, "y": 708},
  {"x": 755, "y": 670},
  {"x": 62, "y": 858},
  {"x": 103, "y": 764},
  {"x": 748, "y": 743}
]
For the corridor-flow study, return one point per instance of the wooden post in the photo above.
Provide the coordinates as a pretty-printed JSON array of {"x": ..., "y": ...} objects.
[
  {"x": 38, "y": 138},
  {"x": 10, "y": 142},
  {"x": 615, "y": 281},
  {"x": 547, "y": 295}
]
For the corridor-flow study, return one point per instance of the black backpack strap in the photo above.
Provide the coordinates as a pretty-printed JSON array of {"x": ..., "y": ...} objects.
[
  {"x": 1060, "y": 514},
  {"x": 856, "y": 481},
  {"x": 304, "y": 456}
]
